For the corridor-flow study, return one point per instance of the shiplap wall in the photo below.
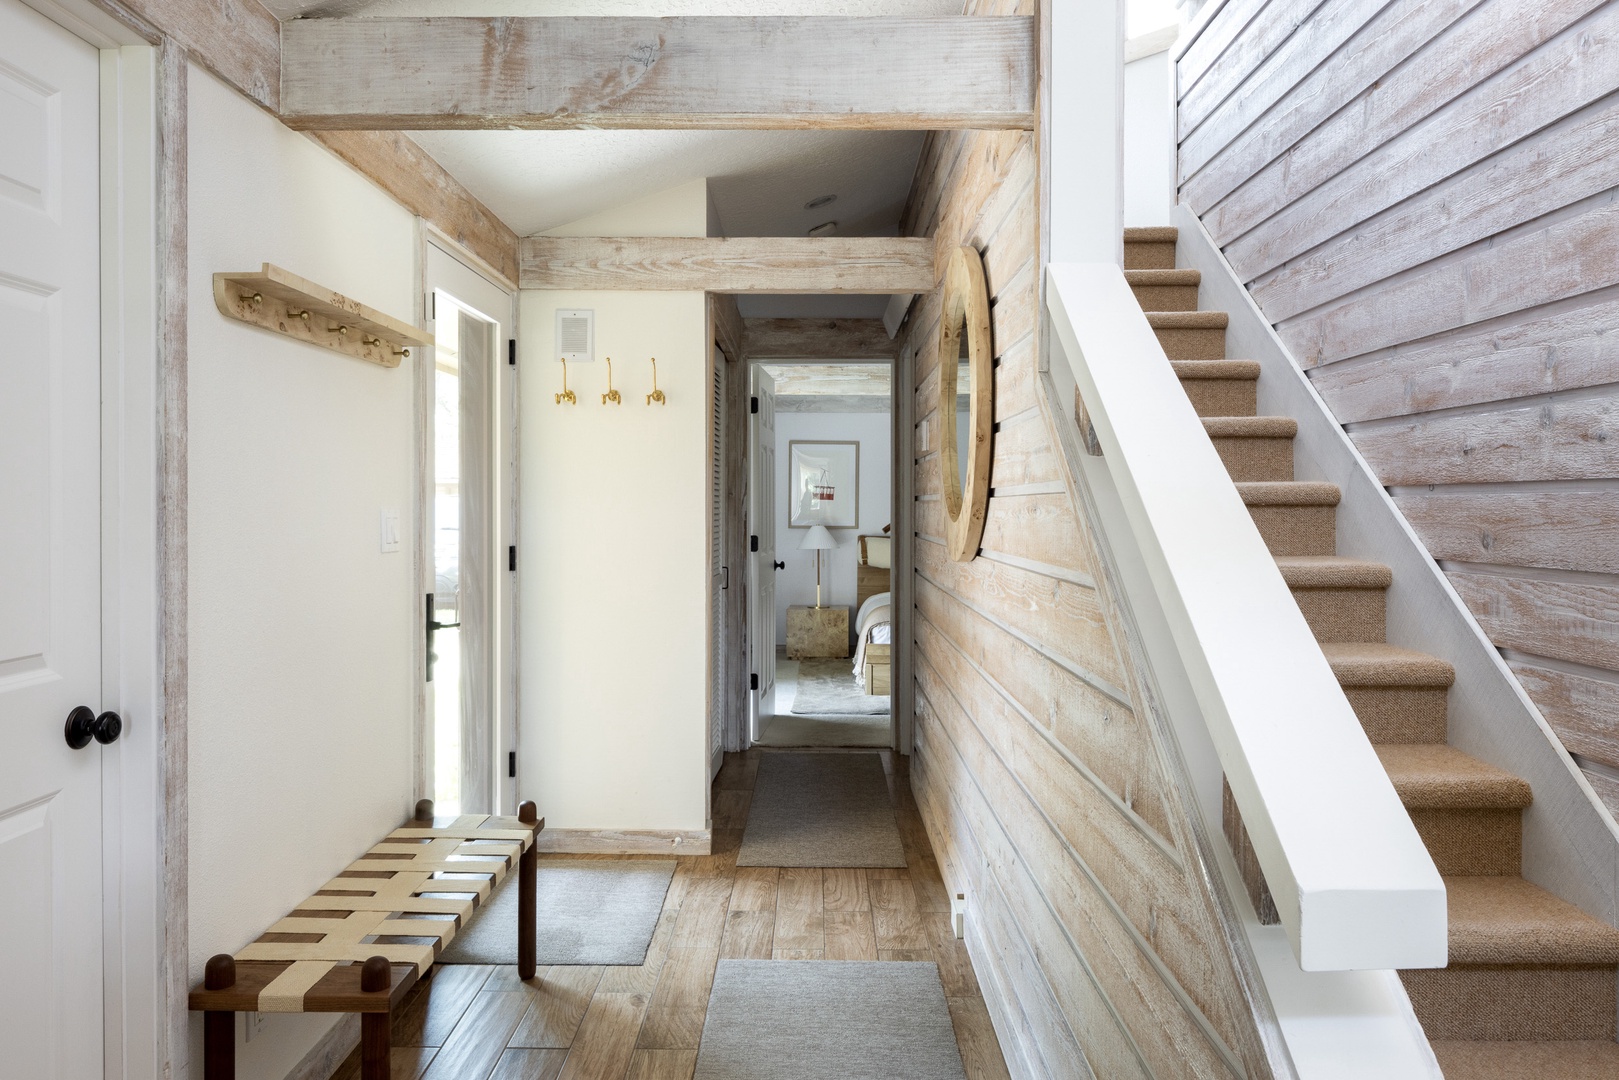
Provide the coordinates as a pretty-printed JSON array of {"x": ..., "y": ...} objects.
[
  {"x": 1421, "y": 196},
  {"x": 1042, "y": 788}
]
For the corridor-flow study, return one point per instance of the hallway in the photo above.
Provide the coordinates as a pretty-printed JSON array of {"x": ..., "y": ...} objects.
[{"x": 644, "y": 1023}]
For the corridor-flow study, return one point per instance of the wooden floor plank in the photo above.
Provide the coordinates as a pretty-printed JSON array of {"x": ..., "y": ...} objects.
[
  {"x": 473, "y": 1048},
  {"x": 950, "y": 953},
  {"x": 605, "y": 1041},
  {"x": 975, "y": 1036},
  {"x": 845, "y": 890},
  {"x": 799, "y": 921},
  {"x": 798, "y": 954},
  {"x": 525, "y": 1064},
  {"x": 558, "y": 998},
  {"x": 731, "y": 808},
  {"x": 643, "y": 978},
  {"x": 404, "y": 1063},
  {"x": 897, "y": 917},
  {"x": 749, "y": 935},
  {"x": 432, "y": 1010},
  {"x": 701, "y": 923},
  {"x": 674, "y": 1018},
  {"x": 754, "y": 889},
  {"x": 850, "y": 936},
  {"x": 921, "y": 955},
  {"x": 662, "y": 1065}
]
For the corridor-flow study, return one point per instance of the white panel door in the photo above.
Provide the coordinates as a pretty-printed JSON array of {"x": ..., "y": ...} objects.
[
  {"x": 762, "y": 523},
  {"x": 718, "y": 574},
  {"x": 50, "y": 550}
]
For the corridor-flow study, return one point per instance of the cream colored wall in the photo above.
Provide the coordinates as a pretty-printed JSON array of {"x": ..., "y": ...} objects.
[
  {"x": 613, "y": 593},
  {"x": 301, "y": 631}
]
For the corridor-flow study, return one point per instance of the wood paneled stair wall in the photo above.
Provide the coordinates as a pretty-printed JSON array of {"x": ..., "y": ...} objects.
[{"x": 1530, "y": 990}]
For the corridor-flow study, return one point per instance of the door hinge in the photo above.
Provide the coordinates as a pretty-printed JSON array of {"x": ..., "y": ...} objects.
[
  {"x": 753, "y": 681},
  {"x": 511, "y": 351},
  {"x": 511, "y": 557},
  {"x": 753, "y": 404},
  {"x": 753, "y": 543},
  {"x": 511, "y": 763}
]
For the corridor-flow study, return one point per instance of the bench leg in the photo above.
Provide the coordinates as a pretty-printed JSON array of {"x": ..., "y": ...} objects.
[
  {"x": 219, "y": 1046},
  {"x": 375, "y": 1051},
  {"x": 525, "y": 898}
]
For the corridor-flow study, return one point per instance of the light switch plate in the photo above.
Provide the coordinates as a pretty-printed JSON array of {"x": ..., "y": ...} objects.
[{"x": 390, "y": 531}]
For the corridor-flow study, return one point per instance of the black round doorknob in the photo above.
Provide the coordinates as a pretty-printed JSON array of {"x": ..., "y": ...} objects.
[{"x": 83, "y": 725}]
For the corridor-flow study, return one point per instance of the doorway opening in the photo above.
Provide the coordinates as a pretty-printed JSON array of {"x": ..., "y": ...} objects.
[{"x": 822, "y": 502}]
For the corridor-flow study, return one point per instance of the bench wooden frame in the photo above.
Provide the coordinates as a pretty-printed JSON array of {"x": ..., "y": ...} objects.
[{"x": 318, "y": 958}]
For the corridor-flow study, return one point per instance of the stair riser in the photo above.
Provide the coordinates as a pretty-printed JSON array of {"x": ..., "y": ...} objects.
[
  {"x": 1470, "y": 843},
  {"x": 1400, "y": 714},
  {"x": 1222, "y": 397},
  {"x": 1247, "y": 458},
  {"x": 1514, "y": 1003},
  {"x": 1166, "y": 297},
  {"x": 1297, "y": 530},
  {"x": 1192, "y": 342},
  {"x": 1344, "y": 614},
  {"x": 1153, "y": 256}
]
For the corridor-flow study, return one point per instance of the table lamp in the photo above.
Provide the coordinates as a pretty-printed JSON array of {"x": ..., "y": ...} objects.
[{"x": 818, "y": 539}]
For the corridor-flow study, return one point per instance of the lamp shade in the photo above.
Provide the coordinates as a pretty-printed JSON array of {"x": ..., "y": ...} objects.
[{"x": 818, "y": 538}]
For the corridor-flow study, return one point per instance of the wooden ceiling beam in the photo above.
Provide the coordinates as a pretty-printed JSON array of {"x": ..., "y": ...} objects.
[
  {"x": 791, "y": 264},
  {"x": 707, "y": 72},
  {"x": 819, "y": 339}
]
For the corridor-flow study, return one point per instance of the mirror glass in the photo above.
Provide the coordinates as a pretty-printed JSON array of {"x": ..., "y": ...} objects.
[{"x": 964, "y": 401}]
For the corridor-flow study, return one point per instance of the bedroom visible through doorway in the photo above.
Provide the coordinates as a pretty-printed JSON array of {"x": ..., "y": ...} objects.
[{"x": 824, "y": 433}]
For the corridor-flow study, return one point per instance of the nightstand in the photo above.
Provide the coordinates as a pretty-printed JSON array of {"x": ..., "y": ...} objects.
[{"x": 817, "y": 632}]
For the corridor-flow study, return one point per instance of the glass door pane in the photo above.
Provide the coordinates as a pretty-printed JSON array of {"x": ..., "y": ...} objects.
[{"x": 446, "y": 690}]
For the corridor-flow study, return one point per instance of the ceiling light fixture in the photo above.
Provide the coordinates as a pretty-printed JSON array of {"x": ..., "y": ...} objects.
[
  {"x": 825, "y": 228},
  {"x": 817, "y": 203}
]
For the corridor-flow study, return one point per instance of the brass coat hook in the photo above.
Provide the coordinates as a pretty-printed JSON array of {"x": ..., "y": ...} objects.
[
  {"x": 656, "y": 395},
  {"x": 611, "y": 395},
  {"x": 567, "y": 396}
]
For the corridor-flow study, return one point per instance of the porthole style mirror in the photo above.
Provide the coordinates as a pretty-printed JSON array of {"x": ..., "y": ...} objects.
[{"x": 966, "y": 402}]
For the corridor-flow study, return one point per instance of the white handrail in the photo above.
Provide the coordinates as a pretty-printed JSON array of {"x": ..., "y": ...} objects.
[{"x": 1353, "y": 883}]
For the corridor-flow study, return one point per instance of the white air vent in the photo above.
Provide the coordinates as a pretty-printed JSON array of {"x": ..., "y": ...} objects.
[{"x": 576, "y": 335}]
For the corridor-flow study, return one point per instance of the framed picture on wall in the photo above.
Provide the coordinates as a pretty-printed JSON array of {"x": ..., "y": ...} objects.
[{"x": 823, "y": 482}]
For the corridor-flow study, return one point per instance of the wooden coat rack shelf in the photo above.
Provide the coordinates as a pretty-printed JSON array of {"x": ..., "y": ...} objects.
[{"x": 287, "y": 304}]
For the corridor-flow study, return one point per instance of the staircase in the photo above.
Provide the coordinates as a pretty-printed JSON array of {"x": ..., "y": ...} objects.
[{"x": 1530, "y": 991}]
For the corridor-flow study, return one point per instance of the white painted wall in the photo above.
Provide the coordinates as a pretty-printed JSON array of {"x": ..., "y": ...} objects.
[
  {"x": 613, "y": 595},
  {"x": 301, "y": 631},
  {"x": 796, "y": 583},
  {"x": 1149, "y": 141}
]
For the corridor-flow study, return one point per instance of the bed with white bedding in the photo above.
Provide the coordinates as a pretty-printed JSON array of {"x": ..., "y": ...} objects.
[{"x": 874, "y": 644}]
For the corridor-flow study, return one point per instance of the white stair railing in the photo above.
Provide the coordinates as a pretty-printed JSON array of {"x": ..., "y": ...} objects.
[{"x": 1353, "y": 883}]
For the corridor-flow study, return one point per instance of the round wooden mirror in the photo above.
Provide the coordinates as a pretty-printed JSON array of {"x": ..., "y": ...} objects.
[{"x": 966, "y": 402}]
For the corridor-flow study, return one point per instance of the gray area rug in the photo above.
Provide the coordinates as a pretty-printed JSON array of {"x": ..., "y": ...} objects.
[
  {"x": 587, "y": 911},
  {"x": 820, "y": 1020},
  {"x": 827, "y": 688},
  {"x": 825, "y": 731},
  {"x": 826, "y": 809}
]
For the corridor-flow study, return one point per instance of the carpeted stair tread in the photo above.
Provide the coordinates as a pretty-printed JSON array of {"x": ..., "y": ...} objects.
[
  {"x": 1434, "y": 776},
  {"x": 1333, "y": 572},
  {"x": 1151, "y": 234},
  {"x": 1369, "y": 663},
  {"x": 1507, "y": 920},
  {"x": 1251, "y": 427},
  {"x": 1187, "y": 320},
  {"x": 1216, "y": 369},
  {"x": 1592, "y": 1060},
  {"x": 1163, "y": 277},
  {"x": 1289, "y": 493}
]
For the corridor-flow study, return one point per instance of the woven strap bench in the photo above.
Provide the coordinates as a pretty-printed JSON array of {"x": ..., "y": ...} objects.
[{"x": 368, "y": 935}]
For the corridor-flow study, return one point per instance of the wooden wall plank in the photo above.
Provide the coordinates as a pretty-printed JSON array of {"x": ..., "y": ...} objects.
[
  {"x": 1566, "y": 346},
  {"x": 1496, "y": 35},
  {"x": 1584, "y": 711},
  {"x": 1569, "y": 257},
  {"x": 1562, "y": 529},
  {"x": 1292, "y": 62},
  {"x": 1561, "y": 620},
  {"x": 1393, "y": 35},
  {"x": 1553, "y": 168},
  {"x": 1246, "y": 53},
  {"x": 1213, "y": 40},
  {"x": 826, "y": 339},
  {"x": 793, "y": 264},
  {"x": 704, "y": 72},
  {"x": 1557, "y": 437}
]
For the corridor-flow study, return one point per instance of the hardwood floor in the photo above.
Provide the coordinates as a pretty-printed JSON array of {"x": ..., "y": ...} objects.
[{"x": 644, "y": 1023}]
